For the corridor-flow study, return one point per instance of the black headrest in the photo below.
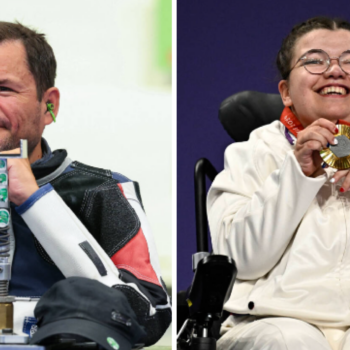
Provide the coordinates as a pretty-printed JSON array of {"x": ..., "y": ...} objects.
[{"x": 245, "y": 111}]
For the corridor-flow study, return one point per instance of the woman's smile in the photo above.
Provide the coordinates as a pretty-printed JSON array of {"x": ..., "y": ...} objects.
[
  {"x": 325, "y": 95},
  {"x": 333, "y": 90}
]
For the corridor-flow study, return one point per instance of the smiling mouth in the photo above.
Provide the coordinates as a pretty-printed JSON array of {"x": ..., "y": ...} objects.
[{"x": 334, "y": 90}]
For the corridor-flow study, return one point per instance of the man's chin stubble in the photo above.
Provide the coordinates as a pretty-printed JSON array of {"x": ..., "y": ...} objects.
[{"x": 10, "y": 144}]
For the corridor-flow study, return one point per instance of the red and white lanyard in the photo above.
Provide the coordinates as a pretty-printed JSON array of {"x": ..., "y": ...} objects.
[{"x": 293, "y": 125}]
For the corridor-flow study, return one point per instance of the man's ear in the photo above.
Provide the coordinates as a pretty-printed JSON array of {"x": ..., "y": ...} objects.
[
  {"x": 52, "y": 96},
  {"x": 284, "y": 92}
]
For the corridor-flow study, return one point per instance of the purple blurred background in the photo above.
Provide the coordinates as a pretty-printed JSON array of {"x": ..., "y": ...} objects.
[{"x": 223, "y": 47}]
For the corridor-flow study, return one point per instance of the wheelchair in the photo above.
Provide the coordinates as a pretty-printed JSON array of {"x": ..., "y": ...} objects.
[{"x": 200, "y": 308}]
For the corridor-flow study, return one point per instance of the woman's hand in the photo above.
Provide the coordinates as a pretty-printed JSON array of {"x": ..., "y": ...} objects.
[
  {"x": 310, "y": 142},
  {"x": 339, "y": 175}
]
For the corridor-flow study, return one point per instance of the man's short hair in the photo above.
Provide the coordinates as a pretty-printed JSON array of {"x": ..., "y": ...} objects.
[{"x": 40, "y": 57}]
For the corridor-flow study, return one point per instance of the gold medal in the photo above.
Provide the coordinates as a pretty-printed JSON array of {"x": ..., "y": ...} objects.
[{"x": 338, "y": 156}]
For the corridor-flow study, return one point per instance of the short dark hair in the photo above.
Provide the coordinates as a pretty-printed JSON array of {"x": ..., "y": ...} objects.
[
  {"x": 285, "y": 54},
  {"x": 40, "y": 57}
]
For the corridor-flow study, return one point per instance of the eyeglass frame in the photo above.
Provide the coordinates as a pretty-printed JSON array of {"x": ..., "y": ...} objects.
[{"x": 328, "y": 60}]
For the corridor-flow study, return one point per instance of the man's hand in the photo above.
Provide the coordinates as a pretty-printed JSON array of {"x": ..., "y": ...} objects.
[
  {"x": 22, "y": 182},
  {"x": 310, "y": 142}
]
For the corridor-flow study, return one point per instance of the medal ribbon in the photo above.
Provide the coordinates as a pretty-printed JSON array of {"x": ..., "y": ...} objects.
[{"x": 291, "y": 122}]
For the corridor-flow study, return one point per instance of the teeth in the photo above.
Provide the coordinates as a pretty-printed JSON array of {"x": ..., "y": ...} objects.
[{"x": 333, "y": 90}]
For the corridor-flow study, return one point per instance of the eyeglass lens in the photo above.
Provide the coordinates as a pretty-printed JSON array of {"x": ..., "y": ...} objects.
[{"x": 318, "y": 61}]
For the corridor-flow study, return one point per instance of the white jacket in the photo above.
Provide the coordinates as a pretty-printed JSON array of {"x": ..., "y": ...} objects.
[{"x": 289, "y": 234}]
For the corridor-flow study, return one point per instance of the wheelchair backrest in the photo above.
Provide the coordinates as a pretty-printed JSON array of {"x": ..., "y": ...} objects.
[{"x": 245, "y": 111}]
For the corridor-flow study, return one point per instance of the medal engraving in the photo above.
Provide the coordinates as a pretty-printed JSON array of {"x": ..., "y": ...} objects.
[
  {"x": 342, "y": 149},
  {"x": 338, "y": 156}
]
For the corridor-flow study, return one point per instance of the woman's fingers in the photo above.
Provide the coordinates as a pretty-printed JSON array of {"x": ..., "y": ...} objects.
[
  {"x": 340, "y": 174},
  {"x": 309, "y": 146},
  {"x": 326, "y": 124},
  {"x": 346, "y": 184},
  {"x": 317, "y": 133},
  {"x": 310, "y": 141}
]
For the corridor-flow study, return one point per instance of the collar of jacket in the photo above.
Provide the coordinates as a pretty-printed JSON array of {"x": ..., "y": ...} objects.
[{"x": 49, "y": 162}]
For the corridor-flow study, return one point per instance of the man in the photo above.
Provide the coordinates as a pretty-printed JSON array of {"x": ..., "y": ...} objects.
[{"x": 82, "y": 221}]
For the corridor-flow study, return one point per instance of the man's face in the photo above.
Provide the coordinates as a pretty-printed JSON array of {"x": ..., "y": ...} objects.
[
  {"x": 305, "y": 91},
  {"x": 22, "y": 116}
]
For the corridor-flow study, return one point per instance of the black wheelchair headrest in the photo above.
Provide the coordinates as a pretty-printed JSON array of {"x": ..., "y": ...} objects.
[{"x": 245, "y": 111}]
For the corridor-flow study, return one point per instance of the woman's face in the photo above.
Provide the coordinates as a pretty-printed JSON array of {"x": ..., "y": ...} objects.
[{"x": 302, "y": 91}]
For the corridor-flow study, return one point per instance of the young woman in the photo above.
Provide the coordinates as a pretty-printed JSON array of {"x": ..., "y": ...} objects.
[{"x": 282, "y": 215}]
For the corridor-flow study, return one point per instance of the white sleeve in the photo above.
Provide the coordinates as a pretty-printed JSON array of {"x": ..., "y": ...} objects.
[
  {"x": 253, "y": 214},
  {"x": 71, "y": 247}
]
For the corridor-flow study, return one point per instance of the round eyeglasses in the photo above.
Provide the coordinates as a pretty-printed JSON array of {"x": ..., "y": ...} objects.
[{"x": 317, "y": 61}]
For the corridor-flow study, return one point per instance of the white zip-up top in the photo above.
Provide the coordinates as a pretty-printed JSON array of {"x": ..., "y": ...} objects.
[{"x": 289, "y": 234}]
